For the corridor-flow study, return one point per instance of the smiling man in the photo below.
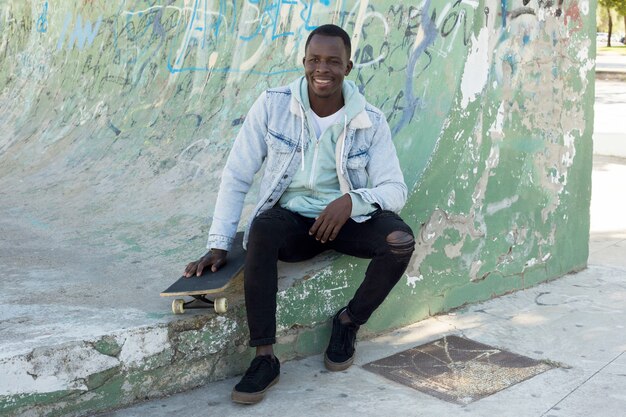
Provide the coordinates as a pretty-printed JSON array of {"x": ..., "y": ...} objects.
[{"x": 331, "y": 181}]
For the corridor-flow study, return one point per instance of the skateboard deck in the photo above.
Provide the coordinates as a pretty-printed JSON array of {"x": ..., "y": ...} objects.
[{"x": 209, "y": 283}]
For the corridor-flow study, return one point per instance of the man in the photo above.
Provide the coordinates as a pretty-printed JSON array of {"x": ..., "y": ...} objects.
[{"x": 332, "y": 181}]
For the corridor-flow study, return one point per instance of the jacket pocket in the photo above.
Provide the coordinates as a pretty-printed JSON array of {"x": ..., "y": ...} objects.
[
  {"x": 356, "y": 166},
  {"x": 279, "y": 143}
]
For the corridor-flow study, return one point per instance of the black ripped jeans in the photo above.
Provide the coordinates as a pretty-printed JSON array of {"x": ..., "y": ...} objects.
[{"x": 279, "y": 234}]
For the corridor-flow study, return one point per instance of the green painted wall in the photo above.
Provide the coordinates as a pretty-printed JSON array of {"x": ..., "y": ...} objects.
[{"x": 116, "y": 118}]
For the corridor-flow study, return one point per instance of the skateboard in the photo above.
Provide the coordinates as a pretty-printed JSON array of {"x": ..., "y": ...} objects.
[{"x": 209, "y": 283}]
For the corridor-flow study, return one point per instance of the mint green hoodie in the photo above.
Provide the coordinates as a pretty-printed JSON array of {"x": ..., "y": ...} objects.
[{"x": 316, "y": 184}]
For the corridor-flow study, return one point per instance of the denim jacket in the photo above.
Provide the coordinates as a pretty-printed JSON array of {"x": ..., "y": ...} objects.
[{"x": 272, "y": 133}]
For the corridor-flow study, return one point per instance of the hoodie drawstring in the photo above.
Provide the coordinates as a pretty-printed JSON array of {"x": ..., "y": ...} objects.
[
  {"x": 302, "y": 135},
  {"x": 343, "y": 142}
]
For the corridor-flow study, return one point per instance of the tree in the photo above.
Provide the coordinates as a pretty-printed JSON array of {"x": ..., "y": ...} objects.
[
  {"x": 621, "y": 9},
  {"x": 608, "y": 5}
]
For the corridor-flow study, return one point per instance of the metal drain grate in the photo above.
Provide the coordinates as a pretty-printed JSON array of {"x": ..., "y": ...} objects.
[{"x": 457, "y": 369}]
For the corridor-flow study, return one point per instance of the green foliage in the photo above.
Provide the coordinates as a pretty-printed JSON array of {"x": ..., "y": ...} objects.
[{"x": 609, "y": 7}]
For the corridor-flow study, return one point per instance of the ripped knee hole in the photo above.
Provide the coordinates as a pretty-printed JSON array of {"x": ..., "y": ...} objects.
[{"x": 401, "y": 243}]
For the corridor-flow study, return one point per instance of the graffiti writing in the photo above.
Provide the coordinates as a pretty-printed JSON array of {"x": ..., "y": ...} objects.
[
  {"x": 42, "y": 21},
  {"x": 540, "y": 9},
  {"x": 261, "y": 25},
  {"x": 81, "y": 35}
]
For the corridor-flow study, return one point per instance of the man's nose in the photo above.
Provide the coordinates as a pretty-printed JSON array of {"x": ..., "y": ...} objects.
[{"x": 321, "y": 66}]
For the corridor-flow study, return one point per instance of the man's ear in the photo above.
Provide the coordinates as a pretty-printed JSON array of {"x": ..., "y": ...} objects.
[
  {"x": 349, "y": 67},
  {"x": 303, "y": 61}
]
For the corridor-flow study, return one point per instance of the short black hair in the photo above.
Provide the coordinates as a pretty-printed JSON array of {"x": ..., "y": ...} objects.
[{"x": 331, "y": 30}]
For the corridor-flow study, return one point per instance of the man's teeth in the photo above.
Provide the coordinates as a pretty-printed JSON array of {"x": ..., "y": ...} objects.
[{"x": 322, "y": 81}]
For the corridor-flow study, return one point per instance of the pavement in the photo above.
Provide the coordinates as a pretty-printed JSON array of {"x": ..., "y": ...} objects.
[
  {"x": 611, "y": 62},
  {"x": 610, "y": 109},
  {"x": 575, "y": 323},
  {"x": 610, "y": 105}
]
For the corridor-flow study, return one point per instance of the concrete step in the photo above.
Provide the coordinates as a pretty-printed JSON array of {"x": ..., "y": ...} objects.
[{"x": 74, "y": 360}]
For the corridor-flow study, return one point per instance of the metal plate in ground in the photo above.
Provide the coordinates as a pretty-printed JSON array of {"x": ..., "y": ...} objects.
[{"x": 457, "y": 369}]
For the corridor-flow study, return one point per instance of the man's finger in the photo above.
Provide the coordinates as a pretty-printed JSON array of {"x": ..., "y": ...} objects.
[
  {"x": 335, "y": 232},
  {"x": 323, "y": 231},
  {"x": 316, "y": 225},
  {"x": 327, "y": 232},
  {"x": 217, "y": 265},
  {"x": 317, "y": 233},
  {"x": 201, "y": 266},
  {"x": 190, "y": 269}
]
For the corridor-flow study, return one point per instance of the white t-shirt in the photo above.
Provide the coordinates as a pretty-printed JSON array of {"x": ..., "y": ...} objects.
[{"x": 320, "y": 124}]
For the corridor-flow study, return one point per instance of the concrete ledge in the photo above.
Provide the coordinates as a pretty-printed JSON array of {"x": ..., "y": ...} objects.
[{"x": 117, "y": 369}]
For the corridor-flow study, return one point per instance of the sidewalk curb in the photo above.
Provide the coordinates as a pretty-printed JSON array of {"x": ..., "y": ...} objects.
[{"x": 610, "y": 75}]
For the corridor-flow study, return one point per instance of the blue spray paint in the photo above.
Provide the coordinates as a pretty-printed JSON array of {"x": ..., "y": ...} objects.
[
  {"x": 81, "y": 34},
  {"x": 430, "y": 34},
  {"x": 42, "y": 21},
  {"x": 270, "y": 14},
  {"x": 272, "y": 11}
]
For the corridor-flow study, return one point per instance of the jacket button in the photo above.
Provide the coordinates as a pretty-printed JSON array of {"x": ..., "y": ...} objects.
[
  {"x": 270, "y": 200},
  {"x": 286, "y": 176}
]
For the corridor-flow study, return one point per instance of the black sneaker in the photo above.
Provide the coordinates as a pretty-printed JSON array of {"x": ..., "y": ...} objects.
[
  {"x": 340, "y": 352},
  {"x": 263, "y": 372}
]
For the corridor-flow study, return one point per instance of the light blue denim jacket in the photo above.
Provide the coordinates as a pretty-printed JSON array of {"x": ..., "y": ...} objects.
[{"x": 273, "y": 133}]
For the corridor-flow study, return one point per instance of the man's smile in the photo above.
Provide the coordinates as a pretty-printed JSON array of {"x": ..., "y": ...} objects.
[{"x": 322, "y": 81}]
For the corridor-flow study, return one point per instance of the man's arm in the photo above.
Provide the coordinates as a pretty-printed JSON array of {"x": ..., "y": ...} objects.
[
  {"x": 388, "y": 189},
  {"x": 244, "y": 161}
]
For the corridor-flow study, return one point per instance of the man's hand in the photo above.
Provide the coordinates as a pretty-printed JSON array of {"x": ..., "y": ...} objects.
[
  {"x": 215, "y": 258},
  {"x": 331, "y": 220}
]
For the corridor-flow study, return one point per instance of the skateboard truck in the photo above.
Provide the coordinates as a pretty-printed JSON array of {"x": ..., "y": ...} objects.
[{"x": 220, "y": 304}]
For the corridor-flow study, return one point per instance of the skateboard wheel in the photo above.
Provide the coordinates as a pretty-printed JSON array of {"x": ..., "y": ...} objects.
[
  {"x": 178, "y": 306},
  {"x": 220, "y": 305}
]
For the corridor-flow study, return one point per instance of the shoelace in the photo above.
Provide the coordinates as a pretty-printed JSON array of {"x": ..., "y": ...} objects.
[{"x": 342, "y": 339}]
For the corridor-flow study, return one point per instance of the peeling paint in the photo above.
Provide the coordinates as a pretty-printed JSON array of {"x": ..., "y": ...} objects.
[
  {"x": 47, "y": 370},
  {"x": 493, "y": 208},
  {"x": 476, "y": 70},
  {"x": 139, "y": 345}
]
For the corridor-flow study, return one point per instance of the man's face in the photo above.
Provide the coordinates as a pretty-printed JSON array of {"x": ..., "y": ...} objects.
[{"x": 326, "y": 63}]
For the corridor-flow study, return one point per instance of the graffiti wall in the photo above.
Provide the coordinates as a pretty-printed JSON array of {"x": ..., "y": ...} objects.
[{"x": 116, "y": 118}]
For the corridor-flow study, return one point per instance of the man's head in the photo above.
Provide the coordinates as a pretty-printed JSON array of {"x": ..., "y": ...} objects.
[
  {"x": 327, "y": 61},
  {"x": 333, "y": 31}
]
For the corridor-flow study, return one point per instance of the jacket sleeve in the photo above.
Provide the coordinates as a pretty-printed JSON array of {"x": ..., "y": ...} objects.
[
  {"x": 388, "y": 189},
  {"x": 244, "y": 161}
]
